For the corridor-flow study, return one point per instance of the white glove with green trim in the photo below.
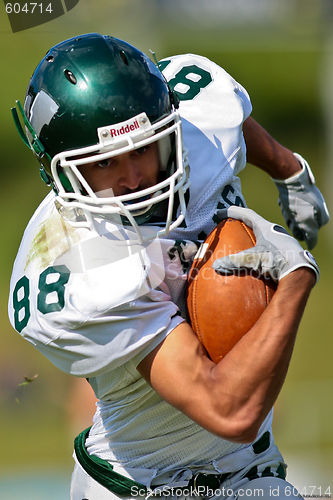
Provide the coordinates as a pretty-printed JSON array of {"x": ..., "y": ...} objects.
[
  {"x": 275, "y": 254},
  {"x": 302, "y": 204}
]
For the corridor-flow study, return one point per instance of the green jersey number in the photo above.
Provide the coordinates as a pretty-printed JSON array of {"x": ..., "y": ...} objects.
[
  {"x": 192, "y": 77},
  {"x": 51, "y": 296},
  {"x": 21, "y": 303}
]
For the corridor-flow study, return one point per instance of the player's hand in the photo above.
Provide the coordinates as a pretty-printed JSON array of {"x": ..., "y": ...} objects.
[
  {"x": 302, "y": 204},
  {"x": 275, "y": 254}
]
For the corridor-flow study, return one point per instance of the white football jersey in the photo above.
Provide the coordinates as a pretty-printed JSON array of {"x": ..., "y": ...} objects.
[
  {"x": 96, "y": 303},
  {"x": 213, "y": 107}
]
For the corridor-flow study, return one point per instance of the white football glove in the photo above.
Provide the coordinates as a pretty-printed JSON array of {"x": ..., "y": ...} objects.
[
  {"x": 302, "y": 204},
  {"x": 275, "y": 254}
]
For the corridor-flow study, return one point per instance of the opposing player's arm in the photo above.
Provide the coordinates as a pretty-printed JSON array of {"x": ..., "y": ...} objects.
[{"x": 232, "y": 398}]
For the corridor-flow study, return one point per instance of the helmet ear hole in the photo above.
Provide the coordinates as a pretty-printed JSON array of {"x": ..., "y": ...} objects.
[
  {"x": 70, "y": 76},
  {"x": 124, "y": 57}
]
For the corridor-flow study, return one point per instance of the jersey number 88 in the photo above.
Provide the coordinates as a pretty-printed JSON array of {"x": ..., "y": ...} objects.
[{"x": 21, "y": 294}]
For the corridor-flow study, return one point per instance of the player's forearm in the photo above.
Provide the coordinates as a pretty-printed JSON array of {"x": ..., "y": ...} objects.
[
  {"x": 254, "y": 371},
  {"x": 232, "y": 398},
  {"x": 266, "y": 153}
]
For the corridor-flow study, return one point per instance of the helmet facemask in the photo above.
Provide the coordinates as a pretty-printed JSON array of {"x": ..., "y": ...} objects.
[{"x": 81, "y": 205}]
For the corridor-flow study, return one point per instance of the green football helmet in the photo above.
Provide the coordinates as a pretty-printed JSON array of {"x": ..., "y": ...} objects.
[{"x": 93, "y": 97}]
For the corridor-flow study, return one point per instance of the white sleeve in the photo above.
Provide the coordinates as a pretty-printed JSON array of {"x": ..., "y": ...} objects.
[
  {"x": 109, "y": 340},
  {"x": 89, "y": 303}
]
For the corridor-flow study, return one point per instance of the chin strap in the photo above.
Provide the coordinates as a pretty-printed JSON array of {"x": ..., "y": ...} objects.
[{"x": 35, "y": 145}]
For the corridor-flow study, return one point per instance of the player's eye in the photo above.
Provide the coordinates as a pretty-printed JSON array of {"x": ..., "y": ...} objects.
[
  {"x": 104, "y": 163},
  {"x": 142, "y": 150}
]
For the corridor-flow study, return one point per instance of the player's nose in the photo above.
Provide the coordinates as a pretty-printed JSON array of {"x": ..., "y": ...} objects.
[{"x": 131, "y": 177}]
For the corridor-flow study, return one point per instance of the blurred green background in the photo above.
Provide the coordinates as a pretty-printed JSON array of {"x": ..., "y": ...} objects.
[{"x": 282, "y": 52}]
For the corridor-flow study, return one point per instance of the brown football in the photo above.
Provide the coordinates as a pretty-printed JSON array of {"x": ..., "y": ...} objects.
[{"x": 223, "y": 308}]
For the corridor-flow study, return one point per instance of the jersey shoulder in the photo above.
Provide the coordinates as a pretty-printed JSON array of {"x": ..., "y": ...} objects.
[
  {"x": 195, "y": 77},
  {"x": 170, "y": 67}
]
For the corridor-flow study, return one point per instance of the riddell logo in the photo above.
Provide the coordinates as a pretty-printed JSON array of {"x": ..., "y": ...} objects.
[{"x": 125, "y": 129}]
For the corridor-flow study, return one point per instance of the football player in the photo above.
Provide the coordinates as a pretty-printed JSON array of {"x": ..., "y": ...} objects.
[{"x": 143, "y": 162}]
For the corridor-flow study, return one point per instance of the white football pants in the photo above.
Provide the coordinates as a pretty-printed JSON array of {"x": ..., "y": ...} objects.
[{"x": 84, "y": 487}]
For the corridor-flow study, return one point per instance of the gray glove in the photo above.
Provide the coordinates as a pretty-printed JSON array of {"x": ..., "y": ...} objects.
[
  {"x": 275, "y": 254},
  {"x": 302, "y": 204}
]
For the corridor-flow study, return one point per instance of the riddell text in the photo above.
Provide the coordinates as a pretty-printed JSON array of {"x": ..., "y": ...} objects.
[{"x": 124, "y": 129}]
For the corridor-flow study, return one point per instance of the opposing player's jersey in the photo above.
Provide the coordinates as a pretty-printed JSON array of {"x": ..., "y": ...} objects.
[{"x": 97, "y": 302}]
